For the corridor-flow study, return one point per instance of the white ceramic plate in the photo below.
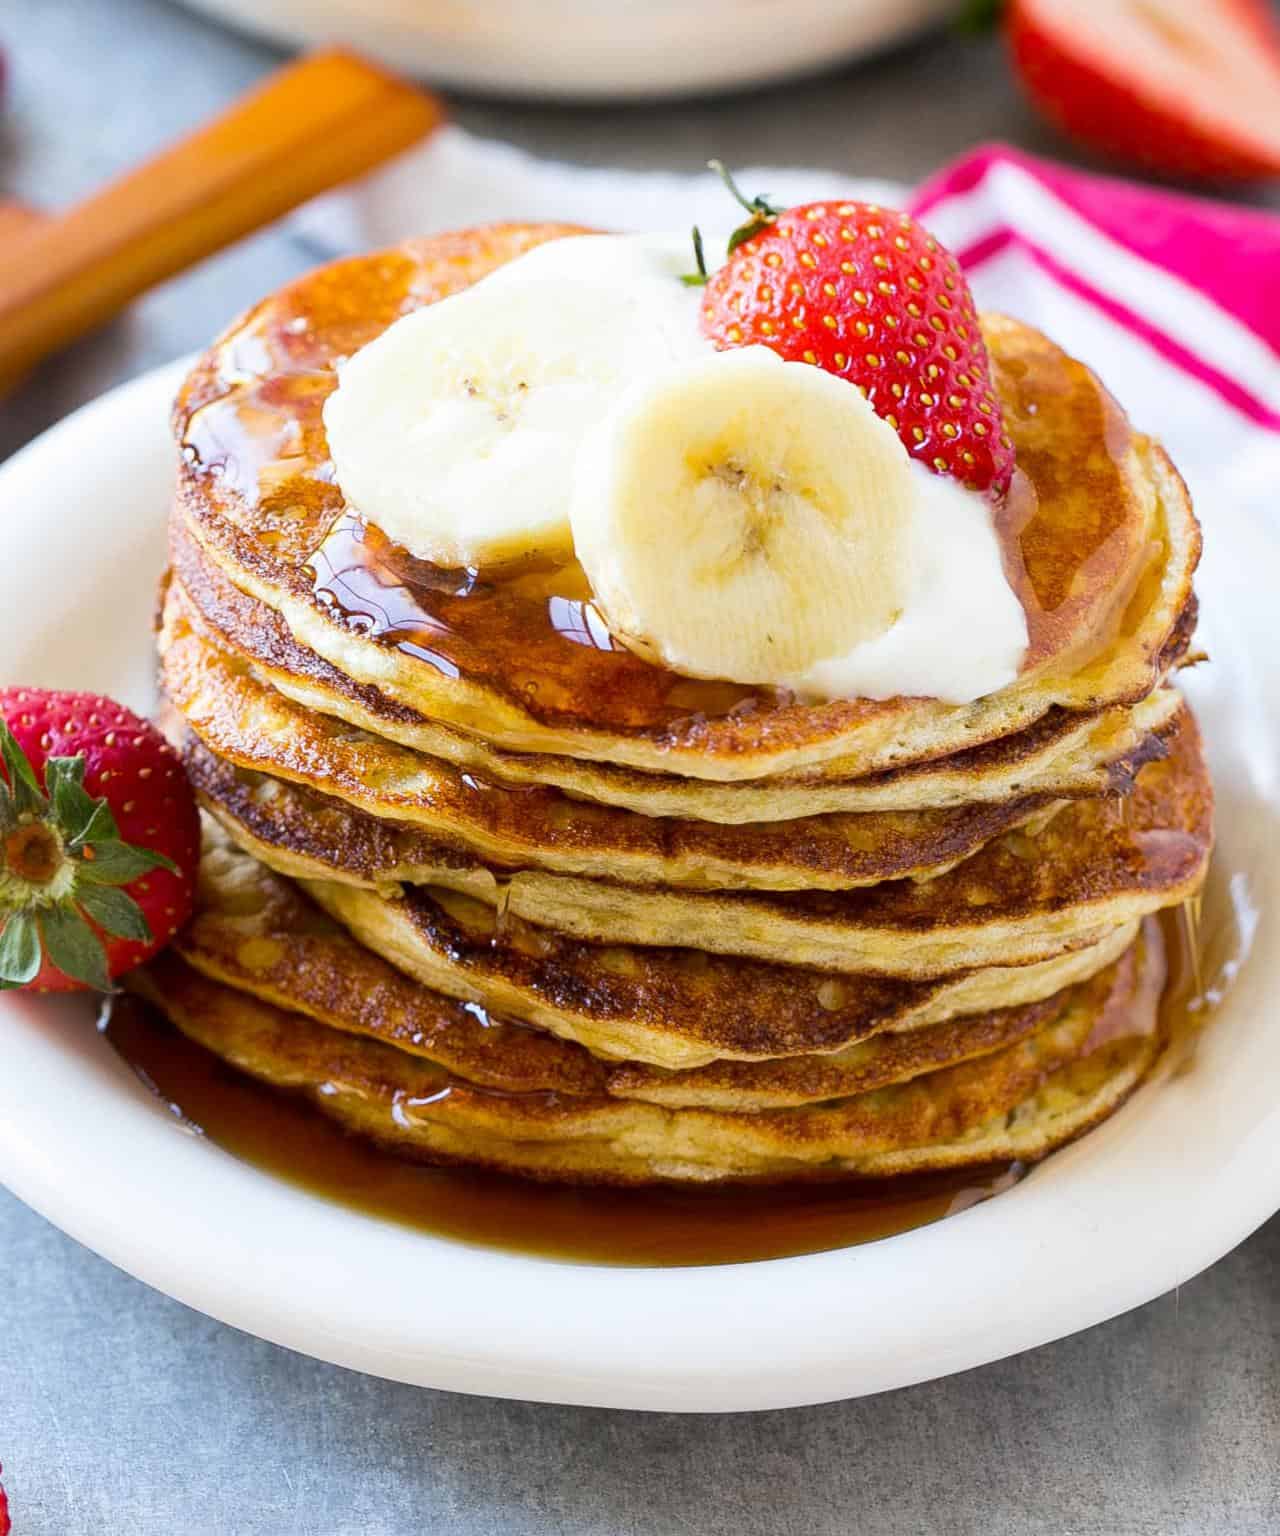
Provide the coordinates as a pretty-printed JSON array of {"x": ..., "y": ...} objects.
[
  {"x": 1185, "y": 1171},
  {"x": 600, "y": 49}
]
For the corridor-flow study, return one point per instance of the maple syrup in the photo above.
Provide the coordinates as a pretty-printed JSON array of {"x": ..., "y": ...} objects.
[
  {"x": 530, "y": 630},
  {"x": 1207, "y": 940},
  {"x": 284, "y": 1136}
]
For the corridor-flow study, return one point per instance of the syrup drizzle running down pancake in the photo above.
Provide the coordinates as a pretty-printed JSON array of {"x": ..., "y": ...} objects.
[{"x": 1065, "y": 754}]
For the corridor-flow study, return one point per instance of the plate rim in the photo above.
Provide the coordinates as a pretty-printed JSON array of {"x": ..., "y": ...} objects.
[{"x": 779, "y": 1333}]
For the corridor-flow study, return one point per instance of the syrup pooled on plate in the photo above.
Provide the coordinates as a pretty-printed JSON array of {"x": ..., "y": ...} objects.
[{"x": 285, "y": 1137}]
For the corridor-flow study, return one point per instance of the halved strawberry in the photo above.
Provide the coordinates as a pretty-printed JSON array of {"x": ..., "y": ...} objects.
[
  {"x": 1181, "y": 87},
  {"x": 867, "y": 293},
  {"x": 84, "y": 782}
]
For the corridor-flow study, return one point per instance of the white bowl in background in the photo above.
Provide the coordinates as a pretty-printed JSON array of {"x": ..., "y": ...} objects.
[{"x": 584, "y": 50}]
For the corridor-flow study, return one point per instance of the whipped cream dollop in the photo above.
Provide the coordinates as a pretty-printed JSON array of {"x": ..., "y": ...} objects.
[
  {"x": 962, "y": 632},
  {"x": 471, "y": 429}
]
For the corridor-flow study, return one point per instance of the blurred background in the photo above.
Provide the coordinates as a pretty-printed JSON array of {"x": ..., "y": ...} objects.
[{"x": 883, "y": 88}]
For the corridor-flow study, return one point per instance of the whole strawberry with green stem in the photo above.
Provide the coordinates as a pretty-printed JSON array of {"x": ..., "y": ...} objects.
[
  {"x": 99, "y": 840},
  {"x": 868, "y": 294}
]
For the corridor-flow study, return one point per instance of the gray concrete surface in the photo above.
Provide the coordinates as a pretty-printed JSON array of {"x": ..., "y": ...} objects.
[{"x": 123, "y": 1412}]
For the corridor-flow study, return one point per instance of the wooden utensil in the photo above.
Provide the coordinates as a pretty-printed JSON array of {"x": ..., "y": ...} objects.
[
  {"x": 307, "y": 128},
  {"x": 16, "y": 219}
]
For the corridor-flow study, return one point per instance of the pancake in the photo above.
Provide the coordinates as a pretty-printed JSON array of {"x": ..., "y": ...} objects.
[
  {"x": 1065, "y": 754},
  {"x": 669, "y": 1006},
  {"x": 1097, "y": 533},
  {"x": 428, "y": 802},
  {"x": 257, "y": 933},
  {"x": 1024, "y": 897},
  {"x": 1017, "y": 1102},
  {"x": 675, "y": 1008}
]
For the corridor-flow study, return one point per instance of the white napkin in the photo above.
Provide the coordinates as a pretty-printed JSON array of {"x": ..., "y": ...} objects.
[{"x": 456, "y": 179}]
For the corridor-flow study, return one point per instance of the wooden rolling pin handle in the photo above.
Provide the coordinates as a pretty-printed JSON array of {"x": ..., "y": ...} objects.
[{"x": 310, "y": 127}]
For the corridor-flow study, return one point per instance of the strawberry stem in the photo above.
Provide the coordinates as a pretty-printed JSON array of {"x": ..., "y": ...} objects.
[
  {"x": 762, "y": 211},
  {"x": 759, "y": 207}
]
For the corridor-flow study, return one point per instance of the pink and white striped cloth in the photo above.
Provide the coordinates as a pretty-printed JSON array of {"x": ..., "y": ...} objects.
[{"x": 1173, "y": 300}]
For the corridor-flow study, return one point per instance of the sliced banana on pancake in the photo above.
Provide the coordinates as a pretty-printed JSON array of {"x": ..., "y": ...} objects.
[
  {"x": 744, "y": 518},
  {"x": 456, "y": 430}
]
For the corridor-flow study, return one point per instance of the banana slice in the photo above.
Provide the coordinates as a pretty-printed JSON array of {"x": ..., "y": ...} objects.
[
  {"x": 745, "y": 518},
  {"x": 456, "y": 431}
]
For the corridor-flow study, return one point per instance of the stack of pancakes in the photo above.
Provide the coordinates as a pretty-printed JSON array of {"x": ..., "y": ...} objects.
[{"x": 490, "y": 888}]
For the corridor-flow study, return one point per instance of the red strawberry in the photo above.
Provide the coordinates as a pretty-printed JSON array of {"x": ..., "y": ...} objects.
[
  {"x": 5, "y": 1526},
  {"x": 1182, "y": 87},
  {"x": 866, "y": 293},
  {"x": 99, "y": 840}
]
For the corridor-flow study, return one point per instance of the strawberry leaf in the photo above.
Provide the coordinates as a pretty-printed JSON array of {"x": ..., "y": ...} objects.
[
  {"x": 19, "y": 951},
  {"x": 745, "y": 232},
  {"x": 74, "y": 947},
  {"x": 115, "y": 912},
  {"x": 696, "y": 279},
  {"x": 76, "y": 810},
  {"x": 23, "y": 783},
  {"x": 116, "y": 863},
  {"x": 100, "y": 827},
  {"x": 71, "y": 768}
]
